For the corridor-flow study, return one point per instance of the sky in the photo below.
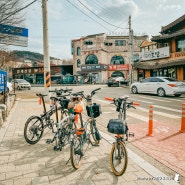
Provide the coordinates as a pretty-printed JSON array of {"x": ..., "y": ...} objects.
[{"x": 73, "y": 19}]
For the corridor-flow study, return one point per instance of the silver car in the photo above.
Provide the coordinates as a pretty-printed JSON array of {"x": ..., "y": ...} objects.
[
  {"x": 21, "y": 84},
  {"x": 159, "y": 85}
]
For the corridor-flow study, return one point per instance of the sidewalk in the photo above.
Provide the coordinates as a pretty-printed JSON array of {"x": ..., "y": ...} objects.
[{"x": 24, "y": 164}]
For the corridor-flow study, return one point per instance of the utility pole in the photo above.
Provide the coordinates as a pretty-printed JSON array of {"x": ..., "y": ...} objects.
[
  {"x": 47, "y": 79},
  {"x": 130, "y": 51}
]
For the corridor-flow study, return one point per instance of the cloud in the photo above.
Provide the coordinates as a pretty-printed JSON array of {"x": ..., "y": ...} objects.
[
  {"x": 168, "y": 7},
  {"x": 118, "y": 10}
]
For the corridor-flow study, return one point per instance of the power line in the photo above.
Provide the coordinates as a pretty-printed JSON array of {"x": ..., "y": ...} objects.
[
  {"x": 87, "y": 15},
  {"x": 97, "y": 15}
]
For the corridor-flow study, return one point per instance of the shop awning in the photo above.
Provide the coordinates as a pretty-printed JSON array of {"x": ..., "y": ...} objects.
[{"x": 159, "y": 64}]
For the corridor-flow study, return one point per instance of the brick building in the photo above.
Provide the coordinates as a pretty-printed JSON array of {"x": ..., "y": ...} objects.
[{"x": 100, "y": 55}]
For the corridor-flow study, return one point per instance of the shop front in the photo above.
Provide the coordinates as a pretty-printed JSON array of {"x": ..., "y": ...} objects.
[
  {"x": 168, "y": 68},
  {"x": 93, "y": 73}
]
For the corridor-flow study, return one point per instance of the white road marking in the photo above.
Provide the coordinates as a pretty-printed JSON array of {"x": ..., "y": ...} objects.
[{"x": 138, "y": 116}]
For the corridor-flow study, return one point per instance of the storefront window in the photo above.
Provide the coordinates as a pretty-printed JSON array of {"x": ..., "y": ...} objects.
[
  {"x": 168, "y": 72},
  {"x": 180, "y": 46}
]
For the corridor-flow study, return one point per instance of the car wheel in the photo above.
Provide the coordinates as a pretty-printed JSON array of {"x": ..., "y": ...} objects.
[
  {"x": 161, "y": 92},
  {"x": 29, "y": 88},
  {"x": 134, "y": 90},
  {"x": 177, "y": 95},
  {"x": 109, "y": 85},
  {"x": 18, "y": 88}
]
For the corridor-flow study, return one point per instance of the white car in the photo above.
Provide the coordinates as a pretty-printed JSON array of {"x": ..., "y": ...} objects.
[
  {"x": 21, "y": 84},
  {"x": 159, "y": 85}
]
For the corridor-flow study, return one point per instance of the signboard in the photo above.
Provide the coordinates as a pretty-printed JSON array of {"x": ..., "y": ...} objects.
[
  {"x": 94, "y": 67},
  {"x": 154, "y": 54},
  {"x": 12, "y": 35},
  {"x": 2, "y": 74},
  {"x": 119, "y": 67}
]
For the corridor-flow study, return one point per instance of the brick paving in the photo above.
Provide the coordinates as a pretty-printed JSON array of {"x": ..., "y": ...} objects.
[{"x": 24, "y": 164}]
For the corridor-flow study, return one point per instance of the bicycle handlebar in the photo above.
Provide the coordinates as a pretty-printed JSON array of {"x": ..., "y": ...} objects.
[
  {"x": 122, "y": 99},
  {"x": 78, "y": 93},
  {"x": 109, "y": 99},
  {"x": 59, "y": 91}
]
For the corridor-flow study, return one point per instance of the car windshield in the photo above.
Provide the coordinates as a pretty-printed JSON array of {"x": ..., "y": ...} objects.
[
  {"x": 117, "y": 74},
  {"x": 22, "y": 81}
]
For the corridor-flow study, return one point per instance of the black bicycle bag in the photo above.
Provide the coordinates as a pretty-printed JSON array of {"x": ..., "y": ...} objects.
[
  {"x": 117, "y": 126},
  {"x": 96, "y": 108},
  {"x": 64, "y": 103}
]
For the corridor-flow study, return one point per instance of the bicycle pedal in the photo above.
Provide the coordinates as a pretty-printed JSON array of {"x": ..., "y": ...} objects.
[
  {"x": 131, "y": 134},
  {"x": 57, "y": 148},
  {"x": 48, "y": 141}
]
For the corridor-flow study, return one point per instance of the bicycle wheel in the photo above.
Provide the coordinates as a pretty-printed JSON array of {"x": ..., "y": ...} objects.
[
  {"x": 76, "y": 152},
  {"x": 118, "y": 158},
  {"x": 65, "y": 132},
  {"x": 95, "y": 133},
  {"x": 33, "y": 129}
]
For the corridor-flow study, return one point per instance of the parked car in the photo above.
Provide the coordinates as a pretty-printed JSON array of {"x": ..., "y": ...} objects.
[
  {"x": 159, "y": 85},
  {"x": 21, "y": 84},
  {"x": 117, "y": 78}
]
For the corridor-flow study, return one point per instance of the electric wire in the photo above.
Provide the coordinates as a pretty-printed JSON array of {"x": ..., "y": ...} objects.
[
  {"x": 97, "y": 15},
  {"x": 87, "y": 15}
]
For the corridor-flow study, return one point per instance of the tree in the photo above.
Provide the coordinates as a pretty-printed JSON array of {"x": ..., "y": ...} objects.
[{"x": 10, "y": 12}]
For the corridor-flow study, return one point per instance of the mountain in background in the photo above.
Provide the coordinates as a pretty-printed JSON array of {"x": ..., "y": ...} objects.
[{"x": 28, "y": 55}]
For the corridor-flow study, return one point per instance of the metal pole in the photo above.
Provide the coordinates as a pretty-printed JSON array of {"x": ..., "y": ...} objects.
[
  {"x": 47, "y": 80},
  {"x": 130, "y": 51}
]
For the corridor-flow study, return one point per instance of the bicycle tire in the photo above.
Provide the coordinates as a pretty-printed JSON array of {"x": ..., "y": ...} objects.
[
  {"x": 65, "y": 133},
  {"x": 118, "y": 158},
  {"x": 95, "y": 133},
  {"x": 76, "y": 153},
  {"x": 33, "y": 129}
]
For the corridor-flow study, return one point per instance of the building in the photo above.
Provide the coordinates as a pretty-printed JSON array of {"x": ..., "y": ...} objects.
[
  {"x": 99, "y": 55},
  {"x": 34, "y": 72},
  {"x": 165, "y": 55}
]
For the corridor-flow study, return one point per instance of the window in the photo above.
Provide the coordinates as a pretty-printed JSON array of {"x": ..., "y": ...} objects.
[
  {"x": 91, "y": 59},
  {"x": 89, "y": 42},
  {"x": 108, "y": 43},
  {"x": 78, "y": 63},
  {"x": 135, "y": 58},
  {"x": 120, "y": 42},
  {"x": 78, "y": 51},
  {"x": 180, "y": 45},
  {"x": 116, "y": 60}
]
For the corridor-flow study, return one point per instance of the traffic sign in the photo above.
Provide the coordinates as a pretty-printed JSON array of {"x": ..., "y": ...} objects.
[{"x": 12, "y": 35}]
